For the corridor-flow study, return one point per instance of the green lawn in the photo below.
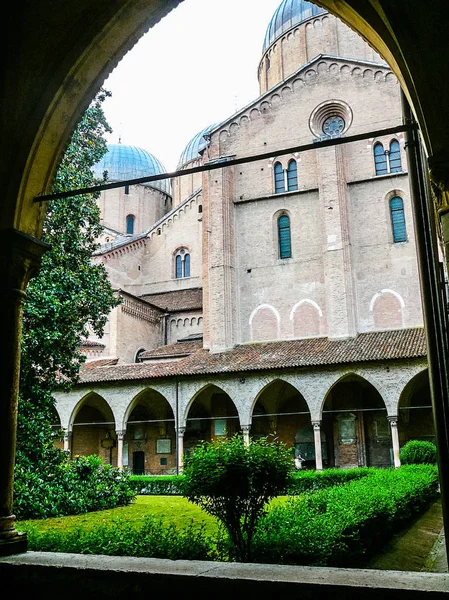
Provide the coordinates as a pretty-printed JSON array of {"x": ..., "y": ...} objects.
[{"x": 173, "y": 509}]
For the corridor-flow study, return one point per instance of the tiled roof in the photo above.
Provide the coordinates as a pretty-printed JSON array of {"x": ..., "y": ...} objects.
[
  {"x": 99, "y": 362},
  {"x": 191, "y": 299},
  {"x": 177, "y": 349},
  {"x": 92, "y": 344},
  {"x": 374, "y": 346}
]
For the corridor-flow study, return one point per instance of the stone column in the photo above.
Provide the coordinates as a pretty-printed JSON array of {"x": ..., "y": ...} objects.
[
  {"x": 120, "y": 440},
  {"x": 317, "y": 440},
  {"x": 67, "y": 438},
  {"x": 180, "y": 448},
  {"x": 20, "y": 257},
  {"x": 246, "y": 429},
  {"x": 393, "y": 420}
]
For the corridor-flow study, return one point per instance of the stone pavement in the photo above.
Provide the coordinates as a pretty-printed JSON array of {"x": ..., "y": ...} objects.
[{"x": 421, "y": 547}]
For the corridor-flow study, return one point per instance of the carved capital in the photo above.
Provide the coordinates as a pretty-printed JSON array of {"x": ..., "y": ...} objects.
[
  {"x": 245, "y": 428},
  {"x": 181, "y": 431},
  {"x": 20, "y": 259},
  {"x": 120, "y": 435},
  {"x": 439, "y": 180},
  {"x": 316, "y": 425},
  {"x": 393, "y": 420}
]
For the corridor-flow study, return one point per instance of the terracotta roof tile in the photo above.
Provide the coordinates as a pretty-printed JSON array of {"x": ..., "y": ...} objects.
[
  {"x": 373, "y": 346},
  {"x": 179, "y": 348},
  {"x": 191, "y": 299}
]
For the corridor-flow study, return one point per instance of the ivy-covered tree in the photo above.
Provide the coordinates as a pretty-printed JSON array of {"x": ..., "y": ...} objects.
[{"x": 70, "y": 296}]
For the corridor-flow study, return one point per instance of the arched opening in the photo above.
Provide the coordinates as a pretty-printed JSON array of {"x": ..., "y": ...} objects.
[
  {"x": 354, "y": 421},
  {"x": 150, "y": 442},
  {"x": 94, "y": 430},
  {"x": 212, "y": 415},
  {"x": 415, "y": 415},
  {"x": 281, "y": 411}
]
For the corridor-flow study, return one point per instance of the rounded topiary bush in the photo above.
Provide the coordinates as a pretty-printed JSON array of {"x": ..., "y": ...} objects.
[{"x": 418, "y": 452}]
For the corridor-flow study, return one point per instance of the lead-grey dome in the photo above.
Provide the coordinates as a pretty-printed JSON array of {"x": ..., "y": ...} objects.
[
  {"x": 194, "y": 147},
  {"x": 124, "y": 162},
  {"x": 288, "y": 14}
]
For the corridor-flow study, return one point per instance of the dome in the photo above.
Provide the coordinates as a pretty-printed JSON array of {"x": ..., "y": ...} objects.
[
  {"x": 129, "y": 162},
  {"x": 288, "y": 14},
  {"x": 193, "y": 148}
]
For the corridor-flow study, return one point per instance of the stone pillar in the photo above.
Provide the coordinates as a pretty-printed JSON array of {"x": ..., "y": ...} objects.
[
  {"x": 317, "y": 440},
  {"x": 340, "y": 294},
  {"x": 219, "y": 271},
  {"x": 393, "y": 420},
  {"x": 180, "y": 448},
  {"x": 246, "y": 429},
  {"x": 67, "y": 438},
  {"x": 20, "y": 257},
  {"x": 120, "y": 440}
]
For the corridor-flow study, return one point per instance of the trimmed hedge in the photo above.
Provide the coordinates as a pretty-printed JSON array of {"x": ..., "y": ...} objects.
[
  {"x": 159, "y": 485},
  {"x": 303, "y": 481},
  {"x": 338, "y": 526},
  {"x": 343, "y": 525}
]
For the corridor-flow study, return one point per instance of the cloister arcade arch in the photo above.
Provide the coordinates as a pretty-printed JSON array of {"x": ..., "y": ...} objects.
[
  {"x": 93, "y": 429},
  {"x": 354, "y": 421},
  {"x": 149, "y": 441},
  {"x": 415, "y": 416},
  {"x": 211, "y": 414},
  {"x": 281, "y": 411}
]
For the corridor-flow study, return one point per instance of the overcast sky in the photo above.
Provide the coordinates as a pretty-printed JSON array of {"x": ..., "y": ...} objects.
[{"x": 195, "y": 68}]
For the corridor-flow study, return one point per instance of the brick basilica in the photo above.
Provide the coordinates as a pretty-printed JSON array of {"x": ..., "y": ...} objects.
[{"x": 277, "y": 296}]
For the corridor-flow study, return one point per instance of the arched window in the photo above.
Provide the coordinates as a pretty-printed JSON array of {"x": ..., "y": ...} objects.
[
  {"x": 395, "y": 157},
  {"x": 130, "y": 224},
  {"x": 387, "y": 161},
  {"x": 292, "y": 176},
  {"x": 279, "y": 181},
  {"x": 285, "y": 246},
  {"x": 398, "y": 220},
  {"x": 182, "y": 264},
  {"x": 380, "y": 159}
]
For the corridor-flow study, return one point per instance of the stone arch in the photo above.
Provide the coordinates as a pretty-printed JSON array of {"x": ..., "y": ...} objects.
[
  {"x": 264, "y": 323},
  {"x": 415, "y": 412},
  {"x": 150, "y": 438},
  {"x": 210, "y": 414},
  {"x": 354, "y": 419},
  {"x": 387, "y": 308},
  {"x": 279, "y": 409},
  {"x": 93, "y": 426}
]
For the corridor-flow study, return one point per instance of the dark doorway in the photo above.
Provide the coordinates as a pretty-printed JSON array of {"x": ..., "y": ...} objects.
[{"x": 139, "y": 463}]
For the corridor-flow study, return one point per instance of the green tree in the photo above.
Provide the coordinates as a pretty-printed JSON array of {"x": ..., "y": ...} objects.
[
  {"x": 235, "y": 482},
  {"x": 70, "y": 296}
]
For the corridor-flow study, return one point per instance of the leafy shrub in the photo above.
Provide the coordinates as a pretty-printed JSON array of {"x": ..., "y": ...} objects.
[
  {"x": 308, "y": 481},
  {"x": 153, "y": 539},
  {"x": 159, "y": 485},
  {"x": 342, "y": 525},
  {"x": 235, "y": 482},
  {"x": 418, "y": 452},
  {"x": 74, "y": 486}
]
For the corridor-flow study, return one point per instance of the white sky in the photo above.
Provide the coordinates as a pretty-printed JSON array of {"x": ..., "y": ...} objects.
[{"x": 196, "y": 67}]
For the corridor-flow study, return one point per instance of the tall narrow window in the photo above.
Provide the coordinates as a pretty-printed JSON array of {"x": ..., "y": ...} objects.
[
  {"x": 285, "y": 246},
  {"x": 182, "y": 264},
  {"x": 395, "y": 157},
  {"x": 187, "y": 265},
  {"x": 292, "y": 176},
  {"x": 178, "y": 267},
  {"x": 279, "y": 181},
  {"x": 380, "y": 159},
  {"x": 130, "y": 224},
  {"x": 398, "y": 220}
]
